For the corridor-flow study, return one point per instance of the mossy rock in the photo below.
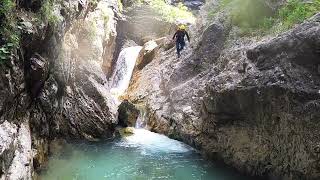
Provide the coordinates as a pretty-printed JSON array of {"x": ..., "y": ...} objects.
[{"x": 128, "y": 131}]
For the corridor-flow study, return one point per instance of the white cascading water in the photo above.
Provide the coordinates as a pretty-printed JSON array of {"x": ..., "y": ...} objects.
[
  {"x": 123, "y": 71},
  {"x": 141, "y": 123},
  {"x": 142, "y": 138}
]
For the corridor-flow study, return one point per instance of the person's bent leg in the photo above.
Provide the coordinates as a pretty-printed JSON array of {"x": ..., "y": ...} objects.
[
  {"x": 178, "y": 48},
  {"x": 183, "y": 44}
]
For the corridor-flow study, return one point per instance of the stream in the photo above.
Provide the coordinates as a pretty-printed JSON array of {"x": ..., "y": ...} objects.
[{"x": 142, "y": 156}]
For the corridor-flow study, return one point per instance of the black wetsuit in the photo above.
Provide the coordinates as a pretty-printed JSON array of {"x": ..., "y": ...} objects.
[{"x": 180, "y": 43}]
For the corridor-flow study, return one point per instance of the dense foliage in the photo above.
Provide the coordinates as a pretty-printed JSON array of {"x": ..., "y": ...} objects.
[
  {"x": 9, "y": 38},
  {"x": 46, "y": 12},
  {"x": 169, "y": 12}
]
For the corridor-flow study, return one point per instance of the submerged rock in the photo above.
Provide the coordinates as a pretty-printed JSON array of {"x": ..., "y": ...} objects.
[
  {"x": 129, "y": 130},
  {"x": 125, "y": 132}
]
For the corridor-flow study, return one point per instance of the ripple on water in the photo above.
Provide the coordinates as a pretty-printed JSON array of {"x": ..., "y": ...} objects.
[{"x": 142, "y": 156}]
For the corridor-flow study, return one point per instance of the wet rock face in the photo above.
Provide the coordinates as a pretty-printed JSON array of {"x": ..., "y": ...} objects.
[
  {"x": 254, "y": 105},
  {"x": 127, "y": 114}
]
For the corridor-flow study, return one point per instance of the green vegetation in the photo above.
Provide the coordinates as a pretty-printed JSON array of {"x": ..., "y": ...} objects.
[
  {"x": 47, "y": 12},
  {"x": 256, "y": 17},
  {"x": 120, "y": 5},
  {"x": 9, "y": 36},
  {"x": 172, "y": 13},
  {"x": 169, "y": 13},
  {"x": 295, "y": 12}
]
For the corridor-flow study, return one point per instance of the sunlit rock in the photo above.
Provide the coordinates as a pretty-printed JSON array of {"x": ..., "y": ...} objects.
[{"x": 147, "y": 54}]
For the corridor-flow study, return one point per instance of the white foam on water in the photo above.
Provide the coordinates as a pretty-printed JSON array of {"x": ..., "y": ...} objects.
[{"x": 150, "y": 142}]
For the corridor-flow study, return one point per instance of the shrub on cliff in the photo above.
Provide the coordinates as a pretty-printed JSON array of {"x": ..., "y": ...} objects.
[
  {"x": 9, "y": 38},
  {"x": 257, "y": 17},
  {"x": 169, "y": 12},
  {"x": 47, "y": 12},
  {"x": 172, "y": 13},
  {"x": 294, "y": 12}
]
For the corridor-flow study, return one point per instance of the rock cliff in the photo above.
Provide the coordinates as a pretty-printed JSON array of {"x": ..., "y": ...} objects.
[
  {"x": 251, "y": 103},
  {"x": 54, "y": 85}
]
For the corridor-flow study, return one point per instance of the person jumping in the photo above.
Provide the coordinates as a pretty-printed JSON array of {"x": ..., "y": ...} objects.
[{"x": 179, "y": 37}]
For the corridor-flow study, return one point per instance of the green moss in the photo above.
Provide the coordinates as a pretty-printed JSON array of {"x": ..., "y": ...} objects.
[{"x": 9, "y": 34}]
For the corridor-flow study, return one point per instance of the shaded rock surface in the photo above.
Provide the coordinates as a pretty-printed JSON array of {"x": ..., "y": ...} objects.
[
  {"x": 252, "y": 104},
  {"x": 83, "y": 107},
  {"x": 55, "y": 85},
  {"x": 127, "y": 114}
]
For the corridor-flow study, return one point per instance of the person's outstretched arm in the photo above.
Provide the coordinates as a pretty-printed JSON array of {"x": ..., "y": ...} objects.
[{"x": 188, "y": 36}]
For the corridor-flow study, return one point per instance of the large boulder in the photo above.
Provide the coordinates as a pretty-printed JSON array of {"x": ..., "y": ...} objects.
[
  {"x": 127, "y": 114},
  {"x": 147, "y": 54}
]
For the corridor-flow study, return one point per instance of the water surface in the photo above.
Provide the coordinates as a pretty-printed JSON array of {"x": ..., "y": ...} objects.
[{"x": 142, "y": 156}]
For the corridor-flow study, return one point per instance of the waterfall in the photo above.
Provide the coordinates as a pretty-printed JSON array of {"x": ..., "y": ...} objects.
[
  {"x": 141, "y": 120},
  {"x": 123, "y": 70},
  {"x": 122, "y": 76}
]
